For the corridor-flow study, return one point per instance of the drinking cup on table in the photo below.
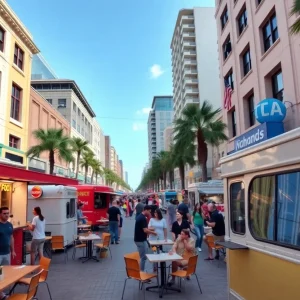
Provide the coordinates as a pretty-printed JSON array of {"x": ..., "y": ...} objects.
[{"x": 171, "y": 252}]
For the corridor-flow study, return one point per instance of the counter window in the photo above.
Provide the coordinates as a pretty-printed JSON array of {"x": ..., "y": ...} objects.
[
  {"x": 68, "y": 210},
  {"x": 5, "y": 194},
  {"x": 72, "y": 208},
  {"x": 100, "y": 200},
  {"x": 237, "y": 208},
  {"x": 275, "y": 209}
]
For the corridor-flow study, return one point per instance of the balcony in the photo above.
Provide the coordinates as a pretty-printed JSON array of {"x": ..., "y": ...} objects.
[
  {"x": 190, "y": 92},
  {"x": 188, "y": 71},
  {"x": 188, "y": 46},
  {"x": 189, "y": 62},
  {"x": 187, "y": 28},
  {"x": 188, "y": 36},
  {"x": 189, "y": 54},
  {"x": 191, "y": 100},
  {"x": 187, "y": 20}
]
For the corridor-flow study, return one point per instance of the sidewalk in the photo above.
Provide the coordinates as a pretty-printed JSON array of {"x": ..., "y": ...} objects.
[{"x": 104, "y": 280}]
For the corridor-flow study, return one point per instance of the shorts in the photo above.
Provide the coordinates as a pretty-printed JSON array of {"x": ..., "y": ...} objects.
[
  {"x": 217, "y": 238},
  {"x": 37, "y": 245},
  {"x": 121, "y": 222},
  {"x": 5, "y": 259}
]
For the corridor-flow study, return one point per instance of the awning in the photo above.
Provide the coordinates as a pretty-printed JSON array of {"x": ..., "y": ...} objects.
[
  {"x": 11, "y": 173},
  {"x": 212, "y": 191}
]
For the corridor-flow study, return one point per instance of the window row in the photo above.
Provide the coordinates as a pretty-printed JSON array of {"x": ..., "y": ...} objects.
[
  {"x": 274, "y": 83},
  {"x": 268, "y": 30},
  {"x": 273, "y": 208},
  {"x": 18, "y": 52}
]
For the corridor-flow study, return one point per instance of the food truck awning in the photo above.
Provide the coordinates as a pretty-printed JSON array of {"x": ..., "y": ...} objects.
[
  {"x": 11, "y": 173},
  {"x": 212, "y": 190}
]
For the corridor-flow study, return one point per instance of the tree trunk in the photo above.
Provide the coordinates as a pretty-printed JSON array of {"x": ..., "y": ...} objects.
[
  {"x": 182, "y": 176},
  {"x": 85, "y": 175},
  {"x": 165, "y": 180},
  {"x": 51, "y": 162},
  {"x": 77, "y": 164},
  {"x": 92, "y": 178},
  {"x": 96, "y": 178},
  {"x": 202, "y": 154}
]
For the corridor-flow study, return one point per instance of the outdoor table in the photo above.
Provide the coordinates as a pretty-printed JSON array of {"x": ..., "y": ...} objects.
[
  {"x": 83, "y": 226},
  {"x": 47, "y": 246},
  {"x": 167, "y": 242},
  {"x": 12, "y": 274},
  {"x": 89, "y": 247},
  {"x": 162, "y": 258}
]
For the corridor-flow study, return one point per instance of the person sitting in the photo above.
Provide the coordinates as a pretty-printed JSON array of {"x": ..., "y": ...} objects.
[
  {"x": 80, "y": 217},
  {"x": 185, "y": 247},
  {"x": 178, "y": 225}
]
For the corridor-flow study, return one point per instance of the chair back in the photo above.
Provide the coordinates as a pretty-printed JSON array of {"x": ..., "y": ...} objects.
[
  {"x": 133, "y": 255},
  {"x": 132, "y": 267},
  {"x": 106, "y": 239},
  {"x": 45, "y": 265},
  {"x": 210, "y": 241},
  {"x": 192, "y": 265},
  {"x": 33, "y": 286},
  {"x": 58, "y": 242}
]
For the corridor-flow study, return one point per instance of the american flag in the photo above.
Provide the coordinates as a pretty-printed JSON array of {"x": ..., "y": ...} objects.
[{"x": 227, "y": 96}]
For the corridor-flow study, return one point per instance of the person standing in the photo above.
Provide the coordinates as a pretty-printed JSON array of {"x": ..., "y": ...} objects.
[
  {"x": 38, "y": 234},
  {"x": 7, "y": 248},
  {"x": 183, "y": 207},
  {"x": 80, "y": 217},
  {"x": 122, "y": 214},
  {"x": 197, "y": 225},
  {"x": 139, "y": 208},
  {"x": 114, "y": 216},
  {"x": 141, "y": 232},
  {"x": 171, "y": 213}
]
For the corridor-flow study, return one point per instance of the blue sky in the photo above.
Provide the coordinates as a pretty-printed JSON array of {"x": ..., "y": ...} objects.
[{"x": 119, "y": 54}]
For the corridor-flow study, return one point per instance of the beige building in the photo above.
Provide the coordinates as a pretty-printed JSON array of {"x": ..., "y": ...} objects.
[
  {"x": 113, "y": 160},
  {"x": 168, "y": 137},
  {"x": 259, "y": 58},
  {"x": 45, "y": 117}
]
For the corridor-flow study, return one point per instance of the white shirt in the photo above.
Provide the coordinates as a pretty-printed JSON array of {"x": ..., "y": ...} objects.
[
  {"x": 159, "y": 226},
  {"x": 39, "y": 230}
]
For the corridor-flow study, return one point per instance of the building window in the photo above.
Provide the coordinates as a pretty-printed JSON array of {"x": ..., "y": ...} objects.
[
  {"x": 62, "y": 103},
  {"x": 274, "y": 209},
  {"x": 242, "y": 21},
  {"x": 73, "y": 123},
  {"x": 82, "y": 117},
  {"x": 49, "y": 101},
  {"x": 78, "y": 112},
  {"x": 224, "y": 18},
  {"x": 226, "y": 47},
  {"x": 78, "y": 128},
  {"x": 233, "y": 123},
  {"x": 270, "y": 32},
  {"x": 258, "y": 2},
  {"x": 14, "y": 142},
  {"x": 229, "y": 79},
  {"x": 277, "y": 85},
  {"x": 251, "y": 110},
  {"x": 74, "y": 107},
  {"x": 246, "y": 62},
  {"x": 15, "y": 109},
  {"x": 237, "y": 208},
  {"x": 19, "y": 57},
  {"x": 2, "y": 39}
]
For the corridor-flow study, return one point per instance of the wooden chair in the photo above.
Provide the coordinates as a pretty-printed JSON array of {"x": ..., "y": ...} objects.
[
  {"x": 77, "y": 244},
  {"x": 58, "y": 243},
  {"x": 105, "y": 243},
  {"x": 32, "y": 289},
  {"x": 188, "y": 271},
  {"x": 133, "y": 271},
  {"x": 44, "y": 265},
  {"x": 211, "y": 243}
]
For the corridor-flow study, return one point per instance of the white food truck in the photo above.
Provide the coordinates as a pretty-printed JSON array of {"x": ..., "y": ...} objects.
[{"x": 59, "y": 207}]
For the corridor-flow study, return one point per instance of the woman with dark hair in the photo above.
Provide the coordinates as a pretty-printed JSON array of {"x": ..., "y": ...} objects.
[
  {"x": 185, "y": 247},
  {"x": 179, "y": 225},
  {"x": 38, "y": 234},
  {"x": 197, "y": 225},
  {"x": 81, "y": 219}
]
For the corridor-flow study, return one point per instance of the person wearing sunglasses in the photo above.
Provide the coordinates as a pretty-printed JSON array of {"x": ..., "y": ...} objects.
[{"x": 6, "y": 241}]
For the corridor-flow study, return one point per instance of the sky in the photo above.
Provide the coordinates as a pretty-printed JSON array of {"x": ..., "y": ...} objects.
[{"x": 118, "y": 52}]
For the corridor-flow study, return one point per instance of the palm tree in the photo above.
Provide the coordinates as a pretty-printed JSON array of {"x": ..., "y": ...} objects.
[
  {"x": 54, "y": 142},
  {"x": 164, "y": 160},
  {"x": 97, "y": 169},
  {"x": 79, "y": 146},
  {"x": 86, "y": 161},
  {"x": 295, "y": 28},
  {"x": 200, "y": 123}
]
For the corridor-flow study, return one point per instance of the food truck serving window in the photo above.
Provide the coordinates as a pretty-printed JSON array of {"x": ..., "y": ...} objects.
[
  {"x": 275, "y": 209},
  {"x": 237, "y": 208},
  {"x": 100, "y": 200},
  {"x": 72, "y": 207}
]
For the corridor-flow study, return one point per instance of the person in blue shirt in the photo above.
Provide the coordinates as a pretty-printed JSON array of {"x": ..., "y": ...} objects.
[{"x": 80, "y": 217}]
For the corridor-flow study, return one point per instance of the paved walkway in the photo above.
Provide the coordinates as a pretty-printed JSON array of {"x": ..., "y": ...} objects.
[{"x": 104, "y": 280}]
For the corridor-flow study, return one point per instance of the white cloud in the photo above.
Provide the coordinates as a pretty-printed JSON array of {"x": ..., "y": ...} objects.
[
  {"x": 156, "y": 71},
  {"x": 144, "y": 111},
  {"x": 139, "y": 126}
]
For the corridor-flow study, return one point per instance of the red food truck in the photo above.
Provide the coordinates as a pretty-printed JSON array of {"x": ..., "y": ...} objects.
[{"x": 96, "y": 200}]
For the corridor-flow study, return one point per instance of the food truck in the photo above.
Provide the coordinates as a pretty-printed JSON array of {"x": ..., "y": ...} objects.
[
  {"x": 96, "y": 199},
  {"x": 262, "y": 215},
  {"x": 211, "y": 190},
  {"x": 59, "y": 207},
  {"x": 14, "y": 181}
]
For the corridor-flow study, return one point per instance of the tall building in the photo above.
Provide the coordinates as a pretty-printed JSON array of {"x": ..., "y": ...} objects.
[
  {"x": 16, "y": 50},
  {"x": 41, "y": 69},
  {"x": 121, "y": 169},
  {"x": 259, "y": 58},
  {"x": 168, "y": 137},
  {"x": 195, "y": 64},
  {"x": 160, "y": 117},
  {"x": 126, "y": 177},
  {"x": 107, "y": 152},
  {"x": 114, "y": 160}
]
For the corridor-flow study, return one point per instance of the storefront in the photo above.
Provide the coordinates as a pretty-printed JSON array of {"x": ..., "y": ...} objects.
[{"x": 13, "y": 194}]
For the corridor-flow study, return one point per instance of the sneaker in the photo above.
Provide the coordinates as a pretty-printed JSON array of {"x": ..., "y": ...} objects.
[
  {"x": 199, "y": 249},
  {"x": 117, "y": 243},
  {"x": 112, "y": 243}
]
